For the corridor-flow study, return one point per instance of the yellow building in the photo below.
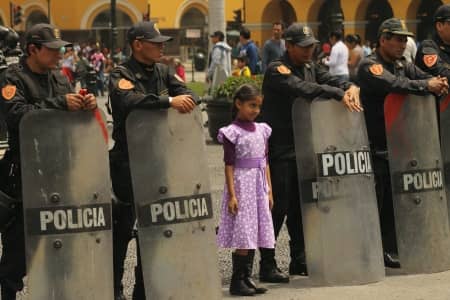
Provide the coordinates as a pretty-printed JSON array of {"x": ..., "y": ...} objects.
[
  {"x": 354, "y": 16},
  {"x": 88, "y": 20}
]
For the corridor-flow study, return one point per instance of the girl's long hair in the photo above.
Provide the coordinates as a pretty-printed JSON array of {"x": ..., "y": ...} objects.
[{"x": 245, "y": 92}]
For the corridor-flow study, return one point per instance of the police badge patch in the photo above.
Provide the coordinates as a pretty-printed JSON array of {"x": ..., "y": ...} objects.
[
  {"x": 125, "y": 84},
  {"x": 9, "y": 91},
  {"x": 282, "y": 69},
  {"x": 376, "y": 69},
  {"x": 430, "y": 60}
]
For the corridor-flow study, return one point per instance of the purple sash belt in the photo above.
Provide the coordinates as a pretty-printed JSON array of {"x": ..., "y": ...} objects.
[{"x": 254, "y": 163}]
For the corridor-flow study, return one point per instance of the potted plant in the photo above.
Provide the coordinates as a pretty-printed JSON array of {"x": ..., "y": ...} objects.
[{"x": 219, "y": 108}]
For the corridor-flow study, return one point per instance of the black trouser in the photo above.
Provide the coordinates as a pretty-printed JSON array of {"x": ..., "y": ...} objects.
[
  {"x": 124, "y": 218},
  {"x": 385, "y": 204},
  {"x": 287, "y": 202},
  {"x": 12, "y": 263}
]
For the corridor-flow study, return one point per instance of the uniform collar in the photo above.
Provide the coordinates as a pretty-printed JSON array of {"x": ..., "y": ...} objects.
[
  {"x": 142, "y": 71},
  {"x": 398, "y": 63},
  {"x": 291, "y": 65}
]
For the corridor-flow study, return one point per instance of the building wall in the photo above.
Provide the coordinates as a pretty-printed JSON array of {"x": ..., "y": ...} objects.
[
  {"x": 79, "y": 14},
  {"x": 261, "y": 13}
]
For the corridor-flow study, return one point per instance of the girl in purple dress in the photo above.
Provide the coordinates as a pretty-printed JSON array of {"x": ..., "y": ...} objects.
[{"x": 246, "y": 221}]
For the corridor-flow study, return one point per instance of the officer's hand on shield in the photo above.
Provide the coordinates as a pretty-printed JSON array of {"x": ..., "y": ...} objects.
[
  {"x": 74, "y": 102},
  {"x": 90, "y": 102},
  {"x": 438, "y": 85},
  {"x": 233, "y": 205},
  {"x": 183, "y": 103},
  {"x": 351, "y": 99}
]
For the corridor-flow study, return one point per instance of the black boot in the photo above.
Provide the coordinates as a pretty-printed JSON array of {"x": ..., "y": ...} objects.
[
  {"x": 237, "y": 285},
  {"x": 268, "y": 271},
  {"x": 297, "y": 266},
  {"x": 248, "y": 274},
  {"x": 390, "y": 262}
]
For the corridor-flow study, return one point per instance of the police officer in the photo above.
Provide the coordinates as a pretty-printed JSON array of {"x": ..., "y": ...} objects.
[
  {"x": 294, "y": 75},
  {"x": 383, "y": 72},
  {"x": 31, "y": 84},
  {"x": 433, "y": 56},
  {"x": 140, "y": 83}
]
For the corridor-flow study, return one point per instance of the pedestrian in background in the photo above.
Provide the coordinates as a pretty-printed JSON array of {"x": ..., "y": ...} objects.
[
  {"x": 274, "y": 47},
  {"x": 338, "y": 59},
  {"x": 242, "y": 68},
  {"x": 249, "y": 49},
  {"x": 246, "y": 221},
  {"x": 219, "y": 60}
]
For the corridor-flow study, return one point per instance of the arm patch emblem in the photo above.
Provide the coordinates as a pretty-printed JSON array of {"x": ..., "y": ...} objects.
[
  {"x": 8, "y": 91},
  {"x": 125, "y": 84},
  {"x": 376, "y": 69},
  {"x": 430, "y": 60},
  {"x": 282, "y": 69}
]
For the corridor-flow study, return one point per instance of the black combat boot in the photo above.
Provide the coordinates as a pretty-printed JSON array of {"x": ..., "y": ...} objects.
[
  {"x": 297, "y": 266},
  {"x": 268, "y": 271},
  {"x": 248, "y": 274},
  {"x": 237, "y": 285}
]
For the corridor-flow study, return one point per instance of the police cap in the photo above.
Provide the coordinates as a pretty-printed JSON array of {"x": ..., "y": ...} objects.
[
  {"x": 146, "y": 31},
  {"x": 394, "y": 26},
  {"x": 442, "y": 14},
  {"x": 300, "y": 35},
  {"x": 46, "y": 35}
]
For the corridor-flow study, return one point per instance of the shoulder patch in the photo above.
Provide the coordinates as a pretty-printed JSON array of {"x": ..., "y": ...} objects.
[
  {"x": 376, "y": 69},
  {"x": 430, "y": 60},
  {"x": 125, "y": 84},
  {"x": 282, "y": 69},
  {"x": 8, "y": 91},
  {"x": 178, "y": 77}
]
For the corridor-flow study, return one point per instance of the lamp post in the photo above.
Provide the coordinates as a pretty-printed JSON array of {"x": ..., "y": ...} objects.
[
  {"x": 48, "y": 12},
  {"x": 113, "y": 26}
]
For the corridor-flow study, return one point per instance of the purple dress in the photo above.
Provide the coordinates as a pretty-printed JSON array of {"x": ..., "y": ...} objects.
[{"x": 252, "y": 226}]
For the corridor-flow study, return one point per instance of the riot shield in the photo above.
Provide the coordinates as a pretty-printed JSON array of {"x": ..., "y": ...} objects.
[
  {"x": 415, "y": 163},
  {"x": 67, "y": 206},
  {"x": 444, "y": 119},
  {"x": 337, "y": 191},
  {"x": 173, "y": 203}
]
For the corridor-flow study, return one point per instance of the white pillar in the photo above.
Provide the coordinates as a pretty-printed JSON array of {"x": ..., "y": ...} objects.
[{"x": 216, "y": 16}]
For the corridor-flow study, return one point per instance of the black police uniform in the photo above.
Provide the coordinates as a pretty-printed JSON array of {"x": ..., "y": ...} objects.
[
  {"x": 283, "y": 83},
  {"x": 132, "y": 86},
  {"x": 30, "y": 91},
  {"x": 433, "y": 56},
  {"x": 378, "y": 78}
]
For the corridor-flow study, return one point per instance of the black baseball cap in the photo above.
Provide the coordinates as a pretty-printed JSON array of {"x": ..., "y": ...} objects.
[
  {"x": 46, "y": 35},
  {"x": 219, "y": 34},
  {"x": 146, "y": 31},
  {"x": 442, "y": 14},
  {"x": 300, "y": 35},
  {"x": 394, "y": 26}
]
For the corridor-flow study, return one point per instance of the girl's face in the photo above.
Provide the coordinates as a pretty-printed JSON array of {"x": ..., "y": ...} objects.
[
  {"x": 240, "y": 64},
  {"x": 250, "y": 109}
]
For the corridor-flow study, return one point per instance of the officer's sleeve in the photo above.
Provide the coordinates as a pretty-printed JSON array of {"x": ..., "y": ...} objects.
[
  {"x": 428, "y": 60},
  {"x": 15, "y": 104},
  {"x": 177, "y": 86},
  {"x": 124, "y": 94},
  {"x": 324, "y": 77},
  {"x": 373, "y": 75},
  {"x": 279, "y": 77}
]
